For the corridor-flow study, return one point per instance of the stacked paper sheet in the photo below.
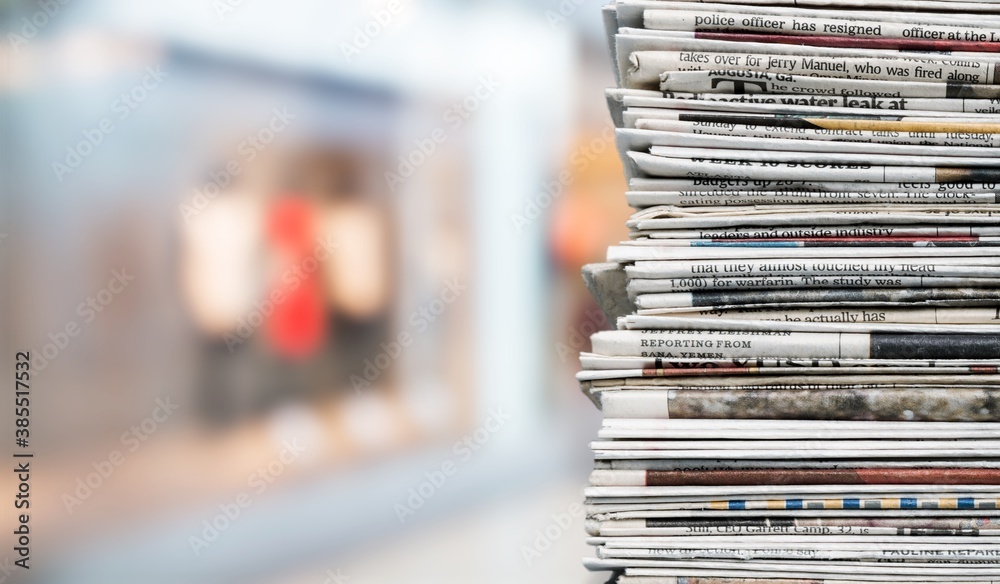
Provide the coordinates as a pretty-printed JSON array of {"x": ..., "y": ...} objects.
[{"x": 804, "y": 381}]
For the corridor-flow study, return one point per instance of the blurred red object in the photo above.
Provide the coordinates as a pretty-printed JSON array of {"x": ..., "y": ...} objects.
[{"x": 296, "y": 328}]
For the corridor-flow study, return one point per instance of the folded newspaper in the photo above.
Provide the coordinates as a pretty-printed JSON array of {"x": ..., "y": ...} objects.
[{"x": 803, "y": 383}]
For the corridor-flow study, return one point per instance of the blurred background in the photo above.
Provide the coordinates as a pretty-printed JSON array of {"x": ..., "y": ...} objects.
[{"x": 300, "y": 285}]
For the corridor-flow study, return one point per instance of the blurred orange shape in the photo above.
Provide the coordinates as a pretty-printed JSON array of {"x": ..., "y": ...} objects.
[{"x": 578, "y": 231}]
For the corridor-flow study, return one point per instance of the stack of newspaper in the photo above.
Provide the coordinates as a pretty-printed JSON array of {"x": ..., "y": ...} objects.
[{"x": 804, "y": 383}]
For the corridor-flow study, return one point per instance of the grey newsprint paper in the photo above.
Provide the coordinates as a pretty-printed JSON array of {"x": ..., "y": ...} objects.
[{"x": 799, "y": 375}]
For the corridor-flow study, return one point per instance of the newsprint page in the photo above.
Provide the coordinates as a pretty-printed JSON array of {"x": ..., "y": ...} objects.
[{"x": 803, "y": 378}]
